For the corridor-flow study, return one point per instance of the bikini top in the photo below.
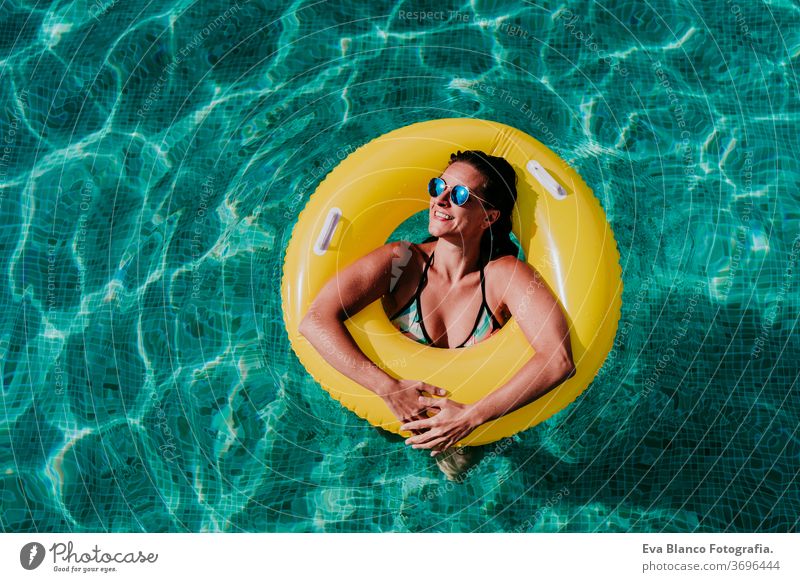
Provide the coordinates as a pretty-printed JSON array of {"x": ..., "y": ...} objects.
[{"x": 408, "y": 318}]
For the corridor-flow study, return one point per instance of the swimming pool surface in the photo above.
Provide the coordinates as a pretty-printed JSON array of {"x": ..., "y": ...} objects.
[{"x": 154, "y": 157}]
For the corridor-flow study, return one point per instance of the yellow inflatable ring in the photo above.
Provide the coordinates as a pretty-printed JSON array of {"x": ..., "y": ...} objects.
[{"x": 558, "y": 221}]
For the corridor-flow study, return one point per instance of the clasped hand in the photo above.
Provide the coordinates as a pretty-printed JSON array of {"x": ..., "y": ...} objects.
[{"x": 452, "y": 421}]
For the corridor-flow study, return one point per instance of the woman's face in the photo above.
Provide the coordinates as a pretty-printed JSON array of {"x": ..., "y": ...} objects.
[{"x": 466, "y": 222}]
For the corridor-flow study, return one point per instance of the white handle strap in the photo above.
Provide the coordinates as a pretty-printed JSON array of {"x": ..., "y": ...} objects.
[
  {"x": 326, "y": 234},
  {"x": 545, "y": 179}
]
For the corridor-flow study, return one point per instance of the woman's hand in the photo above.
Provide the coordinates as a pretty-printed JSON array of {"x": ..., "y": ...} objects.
[
  {"x": 404, "y": 398},
  {"x": 453, "y": 422}
]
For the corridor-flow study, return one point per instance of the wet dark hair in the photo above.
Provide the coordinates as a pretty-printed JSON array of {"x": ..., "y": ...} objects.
[{"x": 500, "y": 191}]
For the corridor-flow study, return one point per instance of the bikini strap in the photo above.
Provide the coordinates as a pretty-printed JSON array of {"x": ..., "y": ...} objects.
[
  {"x": 418, "y": 298},
  {"x": 428, "y": 263},
  {"x": 495, "y": 323},
  {"x": 423, "y": 280},
  {"x": 483, "y": 285}
]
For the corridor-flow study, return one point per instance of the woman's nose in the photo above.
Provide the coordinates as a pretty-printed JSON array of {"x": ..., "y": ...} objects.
[{"x": 444, "y": 196}]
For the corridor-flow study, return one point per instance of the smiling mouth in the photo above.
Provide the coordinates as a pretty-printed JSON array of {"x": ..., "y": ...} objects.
[{"x": 442, "y": 215}]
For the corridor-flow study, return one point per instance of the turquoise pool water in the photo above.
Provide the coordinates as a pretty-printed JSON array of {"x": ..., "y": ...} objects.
[{"x": 155, "y": 157}]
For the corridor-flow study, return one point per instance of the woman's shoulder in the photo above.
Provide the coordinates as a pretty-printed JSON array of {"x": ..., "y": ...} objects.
[
  {"x": 404, "y": 249},
  {"x": 510, "y": 279},
  {"x": 407, "y": 262},
  {"x": 505, "y": 265},
  {"x": 405, "y": 254},
  {"x": 508, "y": 271},
  {"x": 425, "y": 248}
]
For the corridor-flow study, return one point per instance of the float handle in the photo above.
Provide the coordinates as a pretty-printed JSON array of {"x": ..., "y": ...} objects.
[
  {"x": 326, "y": 234},
  {"x": 545, "y": 179}
]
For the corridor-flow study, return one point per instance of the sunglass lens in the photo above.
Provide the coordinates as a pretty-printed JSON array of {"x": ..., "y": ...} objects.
[
  {"x": 460, "y": 195},
  {"x": 436, "y": 186}
]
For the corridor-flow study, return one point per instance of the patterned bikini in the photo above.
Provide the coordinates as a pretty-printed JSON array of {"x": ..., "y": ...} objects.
[{"x": 408, "y": 318}]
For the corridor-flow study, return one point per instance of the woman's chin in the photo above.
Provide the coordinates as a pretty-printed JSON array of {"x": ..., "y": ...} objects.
[{"x": 437, "y": 228}]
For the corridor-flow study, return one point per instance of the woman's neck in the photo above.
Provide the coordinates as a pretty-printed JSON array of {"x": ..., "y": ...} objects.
[{"x": 454, "y": 261}]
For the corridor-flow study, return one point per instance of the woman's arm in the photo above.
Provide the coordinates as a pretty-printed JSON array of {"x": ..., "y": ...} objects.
[
  {"x": 347, "y": 293},
  {"x": 344, "y": 295},
  {"x": 539, "y": 315}
]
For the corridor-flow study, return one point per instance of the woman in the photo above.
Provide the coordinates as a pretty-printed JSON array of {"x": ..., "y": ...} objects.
[{"x": 468, "y": 266}]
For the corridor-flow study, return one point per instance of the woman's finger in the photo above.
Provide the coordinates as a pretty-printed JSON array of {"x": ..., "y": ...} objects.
[
  {"x": 433, "y": 444},
  {"x": 422, "y": 437},
  {"x": 436, "y": 391},
  {"x": 417, "y": 424},
  {"x": 432, "y": 402}
]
